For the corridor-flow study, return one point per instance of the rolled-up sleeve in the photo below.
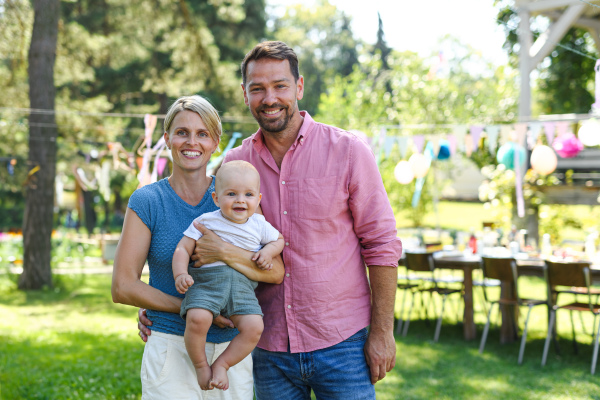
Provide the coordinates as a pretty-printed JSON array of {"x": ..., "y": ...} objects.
[{"x": 374, "y": 221}]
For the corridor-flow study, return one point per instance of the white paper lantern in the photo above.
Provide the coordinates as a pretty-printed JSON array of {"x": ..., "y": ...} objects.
[
  {"x": 589, "y": 132},
  {"x": 543, "y": 159},
  {"x": 403, "y": 173},
  {"x": 419, "y": 164}
]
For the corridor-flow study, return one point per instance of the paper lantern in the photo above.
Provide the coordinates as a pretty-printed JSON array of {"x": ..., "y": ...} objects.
[
  {"x": 589, "y": 132},
  {"x": 567, "y": 145},
  {"x": 419, "y": 164},
  {"x": 543, "y": 160},
  {"x": 403, "y": 173},
  {"x": 506, "y": 155},
  {"x": 444, "y": 152}
]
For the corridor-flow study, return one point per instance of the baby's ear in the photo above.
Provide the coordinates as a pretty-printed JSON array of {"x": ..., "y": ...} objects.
[
  {"x": 215, "y": 198},
  {"x": 259, "y": 197}
]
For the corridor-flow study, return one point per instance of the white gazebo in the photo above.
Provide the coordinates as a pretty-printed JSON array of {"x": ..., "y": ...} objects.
[{"x": 563, "y": 15}]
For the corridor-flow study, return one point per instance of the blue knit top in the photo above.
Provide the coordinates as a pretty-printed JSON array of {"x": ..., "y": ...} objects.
[{"x": 168, "y": 216}]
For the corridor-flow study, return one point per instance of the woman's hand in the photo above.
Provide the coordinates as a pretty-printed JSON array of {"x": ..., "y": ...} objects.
[
  {"x": 143, "y": 323},
  {"x": 223, "y": 322}
]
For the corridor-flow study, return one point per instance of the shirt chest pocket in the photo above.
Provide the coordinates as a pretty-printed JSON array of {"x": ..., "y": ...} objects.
[{"x": 319, "y": 197}]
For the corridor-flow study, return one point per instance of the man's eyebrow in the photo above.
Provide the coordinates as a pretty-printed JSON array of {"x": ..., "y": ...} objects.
[{"x": 275, "y": 81}]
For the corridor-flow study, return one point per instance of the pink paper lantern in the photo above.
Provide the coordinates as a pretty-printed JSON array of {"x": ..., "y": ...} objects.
[
  {"x": 567, "y": 145},
  {"x": 543, "y": 160}
]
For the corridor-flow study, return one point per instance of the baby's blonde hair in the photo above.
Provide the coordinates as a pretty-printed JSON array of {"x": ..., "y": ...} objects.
[{"x": 235, "y": 166}]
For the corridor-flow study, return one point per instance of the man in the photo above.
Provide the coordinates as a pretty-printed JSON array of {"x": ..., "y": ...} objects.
[{"x": 323, "y": 192}]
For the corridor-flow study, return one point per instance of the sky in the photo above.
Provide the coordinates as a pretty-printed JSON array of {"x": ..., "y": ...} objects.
[{"x": 418, "y": 25}]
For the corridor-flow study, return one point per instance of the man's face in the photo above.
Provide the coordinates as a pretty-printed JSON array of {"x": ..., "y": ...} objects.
[{"x": 272, "y": 93}]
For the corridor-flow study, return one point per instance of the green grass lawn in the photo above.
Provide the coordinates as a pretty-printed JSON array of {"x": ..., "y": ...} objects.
[{"x": 72, "y": 342}]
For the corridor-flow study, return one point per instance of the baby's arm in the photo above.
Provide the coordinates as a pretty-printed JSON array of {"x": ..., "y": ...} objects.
[
  {"x": 181, "y": 259},
  {"x": 264, "y": 257}
]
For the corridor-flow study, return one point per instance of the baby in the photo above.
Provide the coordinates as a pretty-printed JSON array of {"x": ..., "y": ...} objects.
[{"x": 216, "y": 288}]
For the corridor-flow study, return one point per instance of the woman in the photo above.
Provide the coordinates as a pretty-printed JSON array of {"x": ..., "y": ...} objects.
[{"x": 156, "y": 218}]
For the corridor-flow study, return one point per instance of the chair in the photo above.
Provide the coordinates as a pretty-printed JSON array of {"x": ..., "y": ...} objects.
[
  {"x": 505, "y": 270},
  {"x": 405, "y": 283},
  {"x": 423, "y": 262},
  {"x": 577, "y": 276}
]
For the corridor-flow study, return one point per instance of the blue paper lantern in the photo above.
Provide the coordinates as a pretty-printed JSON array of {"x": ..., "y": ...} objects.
[
  {"x": 506, "y": 155},
  {"x": 444, "y": 152}
]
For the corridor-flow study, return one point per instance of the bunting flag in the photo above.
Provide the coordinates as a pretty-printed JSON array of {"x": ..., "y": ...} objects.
[
  {"x": 562, "y": 127},
  {"x": 533, "y": 134},
  {"x": 475, "y": 135},
  {"x": 505, "y": 131},
  {"x": 549, "y": 128},
  {"x": 492, "y": 132},
  {"x": 402, "y": 146},
  {"x": 452, "y": 141},
  {"x": 435, "y": 145},
  {"x": 161, "y": 164},
  {"x": 468, "y": 144},
  {"x": 521, "y": 133},
  {"x": 388, "y": 144},
  {"x": 419, "y": 141},
  {"x": 459, "y": 132},
  {"x": 157, "y": 149},
  {"x": 149, "y": 125}
]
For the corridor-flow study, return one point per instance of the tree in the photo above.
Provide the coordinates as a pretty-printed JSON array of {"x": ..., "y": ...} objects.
[
  {"x": 37, "y": 221},
  {"x": 565, "y": 76},
  {"x": 324, "y": 43},
  {"x": 381, "y": 45}
]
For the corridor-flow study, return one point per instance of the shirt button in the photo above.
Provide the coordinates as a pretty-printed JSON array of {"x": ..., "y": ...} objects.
[
  {"x": 285, "y": 212},
  {"x": 283, "y": 182},
  {"x": 287, "y": 243},
  {"x": 288, "y": 275},
  {"x": 289, "y": 306}
]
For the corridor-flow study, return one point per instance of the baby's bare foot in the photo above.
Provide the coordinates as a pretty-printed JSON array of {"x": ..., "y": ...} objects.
[
  {"x": 204, "y": 375},
  {"x": 219, "y": 377}
]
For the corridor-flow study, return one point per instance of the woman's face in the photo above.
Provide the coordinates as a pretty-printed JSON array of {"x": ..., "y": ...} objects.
[{"x": 190, "y": 142}]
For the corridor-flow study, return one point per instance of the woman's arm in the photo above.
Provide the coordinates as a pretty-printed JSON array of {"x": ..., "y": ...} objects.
[
  {"x": 127, "y": 286},
  {"x": 211, "y": 248}
]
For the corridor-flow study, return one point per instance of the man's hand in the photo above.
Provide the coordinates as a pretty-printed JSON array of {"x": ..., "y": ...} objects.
[
  {"x": 380, "y": 352},
  {"x": 208, "y": 247},
  {"x": 143, "y": 320}
]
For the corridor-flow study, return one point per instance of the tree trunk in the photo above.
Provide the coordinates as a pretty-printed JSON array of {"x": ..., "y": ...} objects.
[{"x": 39, "y": 208}]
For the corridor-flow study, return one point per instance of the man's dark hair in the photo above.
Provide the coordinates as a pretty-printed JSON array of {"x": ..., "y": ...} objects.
[{"x": 275, "y": 50}]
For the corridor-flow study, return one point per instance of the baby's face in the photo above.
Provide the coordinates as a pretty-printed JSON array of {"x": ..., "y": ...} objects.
[{"x": 238, "y": 195}]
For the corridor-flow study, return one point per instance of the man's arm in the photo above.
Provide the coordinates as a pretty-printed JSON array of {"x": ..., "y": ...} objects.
[
  {"x": 380, "y": 349},
  {"x": 211, "y": 248}
]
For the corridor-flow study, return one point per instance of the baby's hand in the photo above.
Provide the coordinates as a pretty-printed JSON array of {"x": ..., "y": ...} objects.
[
  {"x": 183, "y": 282},
  {"x": 263, "y": 260}
]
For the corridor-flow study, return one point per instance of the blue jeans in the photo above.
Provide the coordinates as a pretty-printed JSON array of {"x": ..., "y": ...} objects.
[{"x": 336, "y": 372}]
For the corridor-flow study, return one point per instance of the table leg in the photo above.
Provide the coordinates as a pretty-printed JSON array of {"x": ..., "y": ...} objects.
[
  {"x": 508, "y": 330},
  {"x": 469, "y": 330}
]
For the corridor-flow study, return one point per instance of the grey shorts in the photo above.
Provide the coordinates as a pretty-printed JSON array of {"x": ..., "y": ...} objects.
[{"x": 221, "y": 290}]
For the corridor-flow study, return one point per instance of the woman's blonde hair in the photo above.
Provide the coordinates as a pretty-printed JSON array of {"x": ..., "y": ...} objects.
[{"x": 200, "y": 106}]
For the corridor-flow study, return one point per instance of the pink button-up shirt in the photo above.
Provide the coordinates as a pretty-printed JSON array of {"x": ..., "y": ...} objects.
[{"x": 329, "y": 203}]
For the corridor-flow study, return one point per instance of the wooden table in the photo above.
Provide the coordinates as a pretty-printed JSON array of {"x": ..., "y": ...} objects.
[{"x": 468, "y": 263}]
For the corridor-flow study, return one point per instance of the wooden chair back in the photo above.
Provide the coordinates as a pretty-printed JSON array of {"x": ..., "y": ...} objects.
[
  {"x": 419, "y": 261},
  {"x": 503, "y": 269},
  {"x": 561, "y": 273}
]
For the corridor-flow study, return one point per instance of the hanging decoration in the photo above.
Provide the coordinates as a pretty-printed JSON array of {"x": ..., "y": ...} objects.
[
  {"x": 428, "y": 157},
  {"x": 567, "y": 145},
  {"x": 543, "y": 159},
  {"x": 549, "y": 129},
  {"x": 589, "y": 132},
  {"x": 403, "y": 172},
  {"x": 506, "y": 155},
  {"x": 444, "y": 151},
  {"x": 419, "y": 164}
]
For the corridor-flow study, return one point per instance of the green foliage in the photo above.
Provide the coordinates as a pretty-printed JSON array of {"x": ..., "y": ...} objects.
[
  {"x": 498, "y": 193},
  {"x": 566, "y": 78},
  {"x": 324, "y": 43}
]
